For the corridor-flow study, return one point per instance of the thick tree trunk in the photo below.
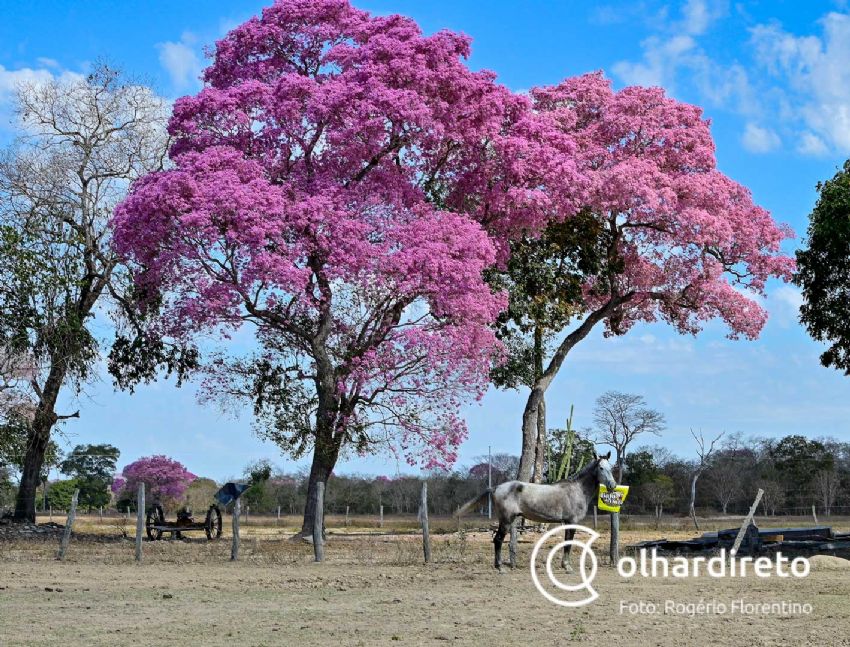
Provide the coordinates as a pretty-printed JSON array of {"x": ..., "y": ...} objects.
[
  {"x": 538, "y": 390},
  {"x": 38, "y": 437},
  {"x": 529, "y": 434},
  {"x": 324, "y": 460},
  {"x": 540, "y": 452}
]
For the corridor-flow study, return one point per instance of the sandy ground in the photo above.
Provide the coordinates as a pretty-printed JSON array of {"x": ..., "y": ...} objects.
[{"x": 373, "y": 590}]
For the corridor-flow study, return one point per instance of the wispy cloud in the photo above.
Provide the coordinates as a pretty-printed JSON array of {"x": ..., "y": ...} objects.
[
  {"x": 817, "y": 75},
  {"x": 757, "y": 139},
  {"x": 182, "y": 61},
  {"x": 12, "y": 79}
]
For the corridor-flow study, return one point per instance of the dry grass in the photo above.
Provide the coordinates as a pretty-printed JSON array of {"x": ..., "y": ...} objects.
[{"x": 372, "y": 589}]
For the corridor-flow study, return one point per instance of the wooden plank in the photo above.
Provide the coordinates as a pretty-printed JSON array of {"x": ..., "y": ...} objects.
[
  {"x": 140, "y": 520},
  {"x": 423, "y": 517},
  {"x": 318, "y": 520},
  {"x": 66, "y": 535},
  {"x": 234, "y": 547},
  {"x": 747, "y": 521}
]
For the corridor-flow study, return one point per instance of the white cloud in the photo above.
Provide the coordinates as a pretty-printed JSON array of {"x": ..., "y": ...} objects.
[
  {"x": 759, "y": 140},
  {"x": 698, "y": 15},
  {"x": 674, "y": 55},
  {"x": 181, "y": 61},
  {"x": 11, "y": 79},
  {"x": 818, "y": 75},
  {"x": 811, "y": 144},
  {"x": 789, "y": 296},
  {"x": 661, "y": 58}
]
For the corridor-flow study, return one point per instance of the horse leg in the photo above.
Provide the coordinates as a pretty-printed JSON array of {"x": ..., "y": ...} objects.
[
  {"x": 565, "y": 559},
  {"x": 498, "y": 539}
]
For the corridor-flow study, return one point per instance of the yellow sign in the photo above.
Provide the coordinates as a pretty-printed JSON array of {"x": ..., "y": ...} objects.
[{"x": 611, "y": 500}]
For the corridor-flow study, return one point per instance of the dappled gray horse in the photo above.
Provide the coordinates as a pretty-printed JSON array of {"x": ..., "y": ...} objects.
[{"x": 563, "y": 502}]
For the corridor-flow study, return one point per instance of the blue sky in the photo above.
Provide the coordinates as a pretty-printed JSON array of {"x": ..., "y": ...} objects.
[{"x": 772, "y": 76}]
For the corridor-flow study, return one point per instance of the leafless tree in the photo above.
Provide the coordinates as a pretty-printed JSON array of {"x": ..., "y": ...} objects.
[
  {"x": 773, "y": 497},
  {"x": 619, "y": 418},
  {"x": 705, "y": 456},
  {"x": 828, "y": 485},
  {"x": 728, "y": 471},
  {"x": 659, "y": 492},
  {"x": 81, "y": 141}
]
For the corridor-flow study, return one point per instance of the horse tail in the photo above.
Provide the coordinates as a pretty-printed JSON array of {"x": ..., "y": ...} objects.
[{"x": 466, "y": 507}]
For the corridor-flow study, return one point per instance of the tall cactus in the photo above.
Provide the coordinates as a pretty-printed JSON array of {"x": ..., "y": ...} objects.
[{"x": 564, "y": 469}]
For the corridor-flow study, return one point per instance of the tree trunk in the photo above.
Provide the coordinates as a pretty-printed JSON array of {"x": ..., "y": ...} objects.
[
  {"x": 38, "y": 438},
  {"x": 538, "y": 390},
  {"x": 692, "y": 508},
  {"x": 325, "y": 456},
  {"x": 541, "y": 442},
  {"x": 529, "y": 434}
]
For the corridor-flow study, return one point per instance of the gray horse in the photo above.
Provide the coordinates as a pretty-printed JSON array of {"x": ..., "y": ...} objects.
[{"x": 563, "y": 502}]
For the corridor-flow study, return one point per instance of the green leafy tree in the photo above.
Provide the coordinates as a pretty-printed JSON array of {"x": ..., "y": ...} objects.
[
  {"x": 92, "y": 467},
  {"x": 259, "y": 496},
  {"x": 823, "y": 271},
  {"x": 59, "y": 494},
  {"x": 543, "y": 279},
  {"x": 797, "y": 460}
]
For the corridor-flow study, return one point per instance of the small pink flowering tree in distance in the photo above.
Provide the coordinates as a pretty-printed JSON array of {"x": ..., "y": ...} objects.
[
  {"x": 341, "y": 182},
  {"x": 165, "y": 479},
  {"x": 673, "y": 238}
]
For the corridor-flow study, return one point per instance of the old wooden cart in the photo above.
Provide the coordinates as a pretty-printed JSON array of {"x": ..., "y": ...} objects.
[{"x": 157, "y": 525}]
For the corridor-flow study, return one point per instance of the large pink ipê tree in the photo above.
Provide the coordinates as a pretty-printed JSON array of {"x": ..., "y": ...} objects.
[
  {"x": 341, "y": 183},
  {"x": 676, "y": 240}
]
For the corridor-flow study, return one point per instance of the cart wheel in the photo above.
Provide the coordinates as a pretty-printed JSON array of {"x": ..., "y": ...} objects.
[
  {"x": 156, "y": 517},
  {"x": 212, "y": 525}
]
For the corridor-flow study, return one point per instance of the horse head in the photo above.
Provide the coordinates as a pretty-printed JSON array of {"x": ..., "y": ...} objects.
[{"x": 603, "y": 471}]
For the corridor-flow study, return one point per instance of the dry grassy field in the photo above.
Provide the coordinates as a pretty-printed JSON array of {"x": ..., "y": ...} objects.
[{"x": 373, "y": 589}]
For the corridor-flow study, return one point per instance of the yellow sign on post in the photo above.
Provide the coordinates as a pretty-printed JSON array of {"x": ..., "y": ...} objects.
[{"x": 611, "y": 500}]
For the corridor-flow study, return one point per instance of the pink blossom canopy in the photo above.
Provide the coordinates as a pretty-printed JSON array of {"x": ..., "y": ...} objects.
[
  {"x": 342, "y": 182},
  {"x": 693, "y": 245}
]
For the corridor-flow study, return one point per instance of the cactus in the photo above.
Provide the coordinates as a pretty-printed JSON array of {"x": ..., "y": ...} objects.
[{"x": 564, "y": 469}]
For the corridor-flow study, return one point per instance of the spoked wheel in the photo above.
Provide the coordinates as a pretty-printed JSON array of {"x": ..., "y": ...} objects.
[
  {"x": 212, "y": 525},
  {"x": 156, "y": 517}
]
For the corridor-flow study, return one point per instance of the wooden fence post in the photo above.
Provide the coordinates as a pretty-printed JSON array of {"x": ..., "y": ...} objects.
[
  {"x": 614, "y": 551},
  {"x": 747, "y": 520},
  {"x": 594, "y": 516},
  {"x": 51, "y": 514},
  {"x": 66, "y": 536},
  {"x": 234, "y": 547},
  {"x": 346, "y": 516},
  {"x": 278, "y": 515},
  {"x": 814, "y": 514},
  {"x": 318, "y": 519},
  {"x": 140, "y": 520},
  {"x": 423, "y": 517},
  {"x": 381, "y": 521}
]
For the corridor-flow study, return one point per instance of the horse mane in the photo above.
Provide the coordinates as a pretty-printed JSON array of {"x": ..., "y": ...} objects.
[{"x": 581, "y": 473}]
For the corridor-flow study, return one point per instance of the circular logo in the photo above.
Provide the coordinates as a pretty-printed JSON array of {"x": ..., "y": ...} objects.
[{"x": 587, "y": 571}]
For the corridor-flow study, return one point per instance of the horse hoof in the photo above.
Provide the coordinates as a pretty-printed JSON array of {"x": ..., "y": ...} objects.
[
  {"x": 501, "y": 570},
  {"x": 567, "y": 568}
]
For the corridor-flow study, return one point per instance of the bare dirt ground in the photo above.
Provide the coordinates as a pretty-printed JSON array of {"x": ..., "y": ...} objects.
[{"x": 373, "y": 590}]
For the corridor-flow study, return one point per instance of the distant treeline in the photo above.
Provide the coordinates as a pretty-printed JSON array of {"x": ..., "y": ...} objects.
[{"x": 795, "y": 473}]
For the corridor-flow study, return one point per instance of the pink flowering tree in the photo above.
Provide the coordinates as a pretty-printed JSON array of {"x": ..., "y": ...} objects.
[
  {"x": 665, "y": 235},
  {"x": 165, "y": 480},
  {"x": 340, "y": 183}
]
